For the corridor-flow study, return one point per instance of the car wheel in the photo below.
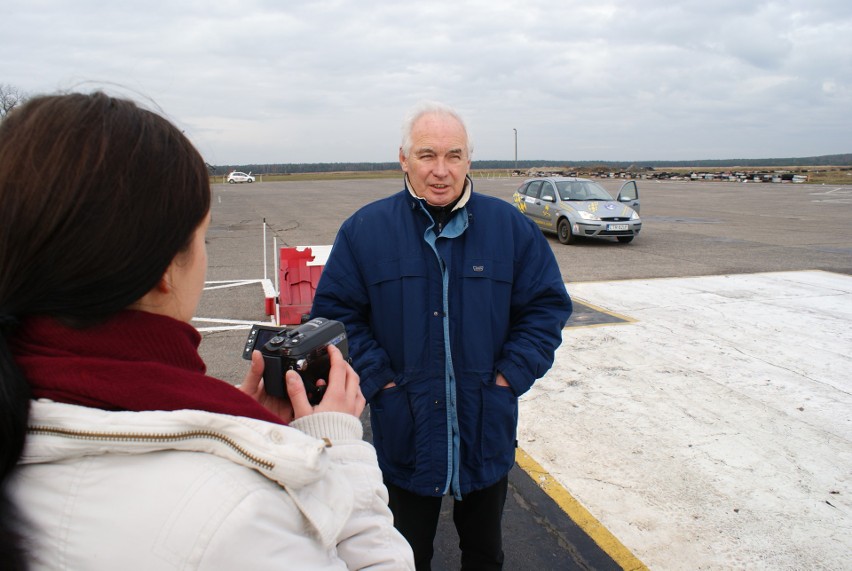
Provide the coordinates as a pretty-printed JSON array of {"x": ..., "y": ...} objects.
[
  {"x": 249, "y": 181},
  {"x": 231, "y": 181},
  {"x": 625, "y": 239},
  {"x": 563, "y": 231}
]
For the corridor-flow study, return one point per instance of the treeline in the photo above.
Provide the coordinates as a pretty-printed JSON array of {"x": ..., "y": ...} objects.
[
  {"x": 823, "y": 160},
  {"x": 296, "y": 168},
  {"x": 292, "y": 168}
]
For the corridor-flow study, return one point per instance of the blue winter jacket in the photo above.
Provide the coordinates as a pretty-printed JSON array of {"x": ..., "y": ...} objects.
[{"x": 440, "y": 316}]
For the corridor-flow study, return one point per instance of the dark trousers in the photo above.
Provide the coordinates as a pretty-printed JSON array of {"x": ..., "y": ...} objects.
[{"x": 477, "y": 517}]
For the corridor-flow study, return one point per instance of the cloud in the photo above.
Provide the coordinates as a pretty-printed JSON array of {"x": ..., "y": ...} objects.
[{"x": 259, "y": 81}]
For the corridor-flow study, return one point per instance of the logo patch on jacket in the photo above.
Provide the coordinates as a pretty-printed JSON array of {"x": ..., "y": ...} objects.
[{"x": 478, "y": 268}]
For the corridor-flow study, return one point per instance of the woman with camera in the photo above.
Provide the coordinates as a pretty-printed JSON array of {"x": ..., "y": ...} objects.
[{"x": 118, "y": 452}]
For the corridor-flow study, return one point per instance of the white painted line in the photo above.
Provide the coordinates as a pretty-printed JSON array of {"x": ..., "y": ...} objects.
[
  {"x": 225, "y": 324},
  {"x": 228, "y": 321},
  {"x": 214, "y": 329},
  {"x": 266, "y": 284},
  {"x": 224, "y": 285}
]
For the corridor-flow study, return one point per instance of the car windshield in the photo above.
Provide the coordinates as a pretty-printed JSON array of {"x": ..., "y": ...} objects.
[{"x": 581, "y": 190}]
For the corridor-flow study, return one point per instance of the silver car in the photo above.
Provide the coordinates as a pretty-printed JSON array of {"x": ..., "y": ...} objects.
[{"x": 571, "y": 207}]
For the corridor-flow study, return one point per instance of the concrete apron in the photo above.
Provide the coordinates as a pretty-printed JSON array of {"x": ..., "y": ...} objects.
[{"x": 708, "y": 423}]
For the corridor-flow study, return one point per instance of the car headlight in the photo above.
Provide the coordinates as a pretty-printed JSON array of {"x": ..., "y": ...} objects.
[
  {"x": 634, "y": 216},
  {"x": 587, "y": 215}
]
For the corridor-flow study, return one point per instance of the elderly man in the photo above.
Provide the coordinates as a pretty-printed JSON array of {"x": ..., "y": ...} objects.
[{"x": 454, "y": 306}]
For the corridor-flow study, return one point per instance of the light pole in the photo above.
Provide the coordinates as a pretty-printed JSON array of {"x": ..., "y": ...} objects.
[{"x": 516, "y": 147}]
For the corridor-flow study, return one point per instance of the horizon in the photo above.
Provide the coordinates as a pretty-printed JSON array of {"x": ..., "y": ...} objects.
[{"x": 837, "y": 160}]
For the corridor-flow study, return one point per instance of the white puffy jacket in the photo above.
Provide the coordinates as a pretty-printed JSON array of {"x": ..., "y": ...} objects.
[{"x": 122, "y": 491}]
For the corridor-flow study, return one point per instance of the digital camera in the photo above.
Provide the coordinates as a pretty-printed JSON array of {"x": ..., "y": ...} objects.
[{"x": 301, "y": 348}]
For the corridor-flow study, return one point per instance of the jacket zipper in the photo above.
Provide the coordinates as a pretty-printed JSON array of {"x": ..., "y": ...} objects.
[{"x": 143, "y": 437}]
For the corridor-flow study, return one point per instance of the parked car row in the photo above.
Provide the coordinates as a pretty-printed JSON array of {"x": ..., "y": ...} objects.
[{"x": 572, "y": 207}]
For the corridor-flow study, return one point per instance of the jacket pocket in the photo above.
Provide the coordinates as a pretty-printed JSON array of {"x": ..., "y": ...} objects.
[
  {"x": 393, "y": 427},
  {"x": 392, "y": 270},
  {"x": 482, "y": 268},
  {"x": 499, "y": 421},
  {"x": 399, "y": 304},
  {"x": 484, "y": 300}
]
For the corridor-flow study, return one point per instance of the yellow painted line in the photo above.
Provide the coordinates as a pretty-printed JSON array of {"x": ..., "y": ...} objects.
[
  {"x": 625, "y": 320},
  {"x": 604, "y": 311},
  {"x": 578, "y": 514}
]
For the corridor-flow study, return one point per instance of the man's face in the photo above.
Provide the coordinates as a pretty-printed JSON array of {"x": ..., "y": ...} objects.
[{"x": 438, "y": 161}]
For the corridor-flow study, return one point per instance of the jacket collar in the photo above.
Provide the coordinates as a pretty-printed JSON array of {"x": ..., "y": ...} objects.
[
  {"x": 465, "y": 197},
  {"x": 133, "y": 361}
]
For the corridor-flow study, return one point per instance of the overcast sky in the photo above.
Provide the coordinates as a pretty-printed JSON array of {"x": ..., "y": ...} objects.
[{"x": 268, "y": 81}]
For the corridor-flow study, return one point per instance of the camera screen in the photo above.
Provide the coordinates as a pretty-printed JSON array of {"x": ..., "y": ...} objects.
[
  {"x": 264, "y": 335},
  {"x": 258, "y": 337}
]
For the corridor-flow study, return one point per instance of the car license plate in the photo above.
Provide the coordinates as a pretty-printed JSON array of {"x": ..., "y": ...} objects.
[{"x": 616, "y": 226}]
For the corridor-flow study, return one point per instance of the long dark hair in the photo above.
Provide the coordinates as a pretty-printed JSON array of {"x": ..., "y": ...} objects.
[{"x": 97, "y": 196}]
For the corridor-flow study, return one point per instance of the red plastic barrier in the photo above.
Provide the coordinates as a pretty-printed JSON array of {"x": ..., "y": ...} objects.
[{"x": 298, "y": 282}]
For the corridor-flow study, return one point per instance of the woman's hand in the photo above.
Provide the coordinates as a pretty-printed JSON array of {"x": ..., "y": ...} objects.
[
  {"x": 342, "y": 394},
  {"x": 253, "y": 387}
]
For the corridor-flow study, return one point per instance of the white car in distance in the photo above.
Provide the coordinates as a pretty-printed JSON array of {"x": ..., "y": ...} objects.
[{"x": 237, "y": 176}]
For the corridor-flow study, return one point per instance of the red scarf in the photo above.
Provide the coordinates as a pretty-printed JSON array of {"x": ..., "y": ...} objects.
[{"x": 135, "y": 361}]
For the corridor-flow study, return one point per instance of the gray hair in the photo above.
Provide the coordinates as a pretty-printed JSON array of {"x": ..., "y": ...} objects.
[{"x": 430, "y": 108}]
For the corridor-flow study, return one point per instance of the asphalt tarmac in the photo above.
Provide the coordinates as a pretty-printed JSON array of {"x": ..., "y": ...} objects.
[{"x": 689, "y": 229}]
